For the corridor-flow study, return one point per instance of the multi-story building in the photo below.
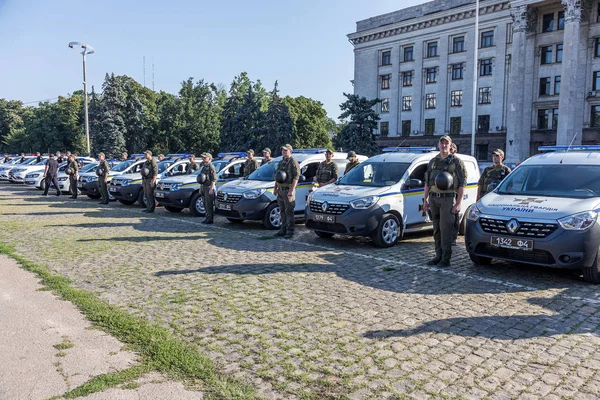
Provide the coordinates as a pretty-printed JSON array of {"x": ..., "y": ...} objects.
[{"x": 538, "y": 74}]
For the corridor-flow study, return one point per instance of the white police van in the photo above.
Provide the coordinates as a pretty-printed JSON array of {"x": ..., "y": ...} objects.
[
  {"x": 253, "y": 198},
  {"x": 382, "y": 197},
  {"x": 545, "y": 212}
]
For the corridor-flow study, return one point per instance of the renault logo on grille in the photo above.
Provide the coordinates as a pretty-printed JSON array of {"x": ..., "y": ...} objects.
[
  {"x": 225, "y": 195},
  {"x": 324, "y": 206},
  {"x": 512, "y": 226}
]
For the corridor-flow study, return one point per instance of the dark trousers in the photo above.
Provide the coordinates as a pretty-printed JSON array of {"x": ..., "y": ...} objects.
[
  {"x": 51, "y": 179},
  {"x": 208, "y": 201},
  {"x": 149, "y": 194},
  {"x": 286, "y": 210},
  {"x": 443, "y": 223},
  {"x": 73, "y": 185},
  {"x": 103, "y": 189}
]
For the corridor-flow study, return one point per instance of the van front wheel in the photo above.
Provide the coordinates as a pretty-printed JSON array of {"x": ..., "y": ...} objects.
[{"x": 388, "y": 231}]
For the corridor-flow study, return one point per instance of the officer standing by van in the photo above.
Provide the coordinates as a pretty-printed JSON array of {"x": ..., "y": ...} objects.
[
  {"x": 445, "y": 183},
  {"x": 456, "y": 226},
  {"x": 266, "y": 156},
  {"x": 327, "y": 171},
  {"x": 193, "y": 166},
  {"x": 494, "y": 173},
  {"x": 352, "y": 162},
  {"x": 149, "y": 173},
  {"x": 286, "y": 180},
  {"x": 73, "y": 172},
  {"x": 251, "y": 163},
  {"x": 102, "y": 173},
  {"x": 208, "y": 187}
]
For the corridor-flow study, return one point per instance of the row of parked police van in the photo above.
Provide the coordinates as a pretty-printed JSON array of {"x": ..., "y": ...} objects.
[{"x": 545, "y": 212}]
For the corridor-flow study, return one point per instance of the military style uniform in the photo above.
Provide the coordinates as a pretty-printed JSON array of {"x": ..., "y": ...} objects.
[
  {"x": 265, "y": 161},
  {"x": 326, "y": 172},
  {"x": 250, "y": 166},
  {"x": 74, "y": 166},
  {"x": 208, "y": 200},
  {"x": 492, "y": 174},
  {"x": 350, "y": 166},
  {"x": 148, "y": 185},
  {"x": 193, "y": 167},
  {"x": 286, "y": 204},
  {"x": 442, "y": 201},
  {"x": 104, "y": 167}
]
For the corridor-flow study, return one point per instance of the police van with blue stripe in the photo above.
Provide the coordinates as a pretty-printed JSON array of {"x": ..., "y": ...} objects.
[{"x": 382, "y": 197}]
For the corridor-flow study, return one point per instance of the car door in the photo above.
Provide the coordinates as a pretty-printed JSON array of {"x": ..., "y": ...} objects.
[
  {"x": 303, "y": 189},
  {"x": 414, "y": 213}
]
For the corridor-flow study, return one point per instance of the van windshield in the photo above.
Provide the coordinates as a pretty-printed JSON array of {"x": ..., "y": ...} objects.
[
  {"x": 265, "y": 173},
  {"x": 574, "y": 181},
  {"x": 123, "y": 166},
  {"x": 377, "y": 174}
]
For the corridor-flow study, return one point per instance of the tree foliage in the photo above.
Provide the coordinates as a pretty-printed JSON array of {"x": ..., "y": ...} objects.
[
  {"x": 309, "y": 122},
  {"x": 359, "y": 133}
]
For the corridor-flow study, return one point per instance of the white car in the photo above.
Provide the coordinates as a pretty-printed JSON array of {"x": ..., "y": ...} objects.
[
  {"x": 35, "y": 178},
  {"x": 87, "y": 182},
  {"x": 17, "y": 174},
  {"x": 6, "y": 168}
]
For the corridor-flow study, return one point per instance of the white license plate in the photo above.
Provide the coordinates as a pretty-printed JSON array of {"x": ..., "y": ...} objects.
[
  {"x": 512, "y": 243},
  {"x": 80, "y": 185},
  {"x": 224, "y": 206},
  {"x": 159, "y": 194},
  {"x": 112, "y": 189},
  {"x": 330, "y": 219}
]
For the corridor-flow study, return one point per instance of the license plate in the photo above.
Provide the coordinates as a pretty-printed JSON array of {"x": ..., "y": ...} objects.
[
  {"x": 159, "y": 194},
  {"x": 112, "y": 189},
  {"x": 224, "y": 206},
  {"x": 330, "y": 219},
  {"x": 80, "y": 185},
  {"x": 512, "y": 243}
]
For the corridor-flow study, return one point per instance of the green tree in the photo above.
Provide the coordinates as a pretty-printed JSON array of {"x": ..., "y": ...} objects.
[
  {"x": 358, "y": 134},
  {"x": 12, "y": 125},
  {"x": 139, "y": 113},
  {"x": 169, "y": 124},
  {"x": 110, "y": 137},
  {"x": 279, "y": 127},
  {"x": 68, "y": 124},
  {"x": 310, "y": 122}
]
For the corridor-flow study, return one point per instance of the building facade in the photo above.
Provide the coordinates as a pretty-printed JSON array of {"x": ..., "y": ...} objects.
[{"x": 538, "y": 74}]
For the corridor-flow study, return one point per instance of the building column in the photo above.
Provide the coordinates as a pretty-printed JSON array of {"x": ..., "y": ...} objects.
[
  {"x": 517, "y": 133},
  {"x": 572, "y": 86}
]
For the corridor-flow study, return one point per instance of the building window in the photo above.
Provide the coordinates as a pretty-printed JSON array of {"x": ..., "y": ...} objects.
[
  {"x": 597, "y": 48},
  {"x": 455, "y": 125},
  {"x": 555, "y": 118},
  {"x": 385, "y": 106},
  {"x": 546, "y": 55},
  {"x": 485, "y": 67},
  {"x": 483, "y": 123},
  {"x": 430, "y": 126},
  {"x": 384, "y": 129},
  {"x": 456, "y": 98},
  {"x": 432, "y": 49},
  {"x": 431, "y": 75},
  {"x": 482, "y": 152},
  {"x": 385, "y": 81},
  {"x": 559, "y": 50},
  {"x": 407, "y": 78},
  {"x": 458, "y": 44},
  {"x": 548, "y": 22},
  {"x": 406, "y": 127},
  {"x": 595, "y": 118},
  {"x": 543, "y": 119},
  {"x": 406, "y": 103},
  {"x": 561, "y": 20},
  {"x": 509, "y": 33},
  {"x": 557, "y": 84},
  {"x": 457, "y": 71},
  {"x": 386, "y": 58},
  {"x": 596, "y": 81},
  {"x": 487, "y": 39},
  {"x": 485, "y": 95},
  {"x": 544, "y": 86},
  {"x": 408, "y": 53},
  {"x": 598, "y": 13},
  {"x": 430, "y": 100}
]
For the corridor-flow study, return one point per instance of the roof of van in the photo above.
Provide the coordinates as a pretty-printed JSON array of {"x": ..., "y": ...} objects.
[{"x": 572, "y": 158}]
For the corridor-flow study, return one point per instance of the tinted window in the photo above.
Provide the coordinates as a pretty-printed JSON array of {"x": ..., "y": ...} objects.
[{"x": 123, "y": 166}]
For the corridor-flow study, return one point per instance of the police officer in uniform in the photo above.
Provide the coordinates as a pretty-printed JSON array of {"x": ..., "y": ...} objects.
[
  {"x": 73, "y": 172},
  {"x": 38, "y": 158},
  {"x": 456, "y": 226},
  {"x": 444, "y": 188},
  {"x": 251, "y": 163},
  {"x": 327, "y": 172},
  {"x": 50, "y": 172},
  {"x": 59, "y": 158},
  {"x": 161, "y": 157},
  {"x": 149, "y": 173},
  {"x": 352, "y": 162},
  {"x": 193, "y": 165},
  {"x": 286, "y": 190},
  {"x": 102, "y": 173},
  {"x": 494, "y": 173},
  {"x": 266, "y": 156},
  {"x": 208, "y": 187}
]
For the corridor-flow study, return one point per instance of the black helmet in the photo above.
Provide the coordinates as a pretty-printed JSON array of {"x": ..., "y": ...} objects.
[
  {"x": 444, "y": 181},
  {"x": 201, "y": 178},
  {"x": 145, "y": 172},
  {"x": 69, "y": 171},
  {"x": 100, "y": 171},
  {"x": 281, "y": 177}
]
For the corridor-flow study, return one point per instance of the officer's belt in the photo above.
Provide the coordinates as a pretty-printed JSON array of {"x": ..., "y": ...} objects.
[{"x": 434, "y": 194}]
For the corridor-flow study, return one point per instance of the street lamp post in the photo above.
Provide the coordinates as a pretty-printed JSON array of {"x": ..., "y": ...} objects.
[
  {"x": 87, "y": 49},
  {"x": 475, "y": 72}
]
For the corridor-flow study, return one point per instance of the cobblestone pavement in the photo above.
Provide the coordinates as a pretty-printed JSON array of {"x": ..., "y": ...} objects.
[{"x": 324, "y": 318}]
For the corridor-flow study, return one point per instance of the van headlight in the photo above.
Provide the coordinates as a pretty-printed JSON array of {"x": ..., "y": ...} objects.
[
  {"x": 474, "y": 213},
  {"x": 30, "y": 176},
  {"x": 254, "y": 193},
  {"x": 92, "y": 179},
  {"x": 126, "y": 182},
  {"x": 364, "y": 202},
  {"x": 579, "y": 221},
  {"x": 175, "y": 187}
]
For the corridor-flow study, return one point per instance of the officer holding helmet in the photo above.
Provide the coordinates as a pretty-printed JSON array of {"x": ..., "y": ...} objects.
[
  {"x": 207, "y": 179},
  {"x": 445, "y": 183},
  {"x": 149, "y": 173},
  {"x": 494, "y": 173},
  {"x": 73, "y": 172},
  {"x": 286, "y": 180},
  {"x": 102, "y": 172}
]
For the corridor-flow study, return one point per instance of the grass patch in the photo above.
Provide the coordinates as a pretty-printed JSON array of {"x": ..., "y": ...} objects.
[
  {"x": 64, "y": 345},
  {"x": 158, "y": 348}
]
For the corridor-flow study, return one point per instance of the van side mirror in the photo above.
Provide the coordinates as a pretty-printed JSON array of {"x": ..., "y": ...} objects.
[
  {"x": 301, "y": 178},
  {"x": 492, "y": 186},
  {"x": 415, "y": 183}
]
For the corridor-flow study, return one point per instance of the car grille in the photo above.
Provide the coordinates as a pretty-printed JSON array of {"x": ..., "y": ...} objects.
[
  {"x": 231, "y": 198},
  {"x": 526, "y": 256},
  {"x": 332, "y": 208},
  {"x": 525, "y": 229}
]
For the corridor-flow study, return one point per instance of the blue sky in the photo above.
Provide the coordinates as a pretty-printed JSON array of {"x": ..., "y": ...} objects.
[{"x": 302, "y": 44}]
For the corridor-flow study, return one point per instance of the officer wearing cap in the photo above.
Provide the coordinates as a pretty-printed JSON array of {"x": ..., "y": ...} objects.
[
  {"x": 161, "y": 157},
  {"x": 149, "y": 173},
  {"x": 50, "y": 172},
  {"x": 494, "y": 173},
  {"x": 59, "y": 158},
  {"x": 287, "y": 175},
  {"x": 266, "y": 156},
  {"x": 445, "y": 183},
  {"x": 102, "y": 173},
  {"x": 38, "y": 158},
  {"x": 207, "y": 189},
  {"x": 327, "y": 171},
  {"x": 251, "y": 163},
  {"x": 73, "y": 172},
  {"x": 193, "y": 166},
  {"x": 352, "y": 162},
  {"x": 124, "y": 156}
]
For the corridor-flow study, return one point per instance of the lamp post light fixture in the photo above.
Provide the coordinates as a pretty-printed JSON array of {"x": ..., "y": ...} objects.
[{"x": 87, "y": 49}]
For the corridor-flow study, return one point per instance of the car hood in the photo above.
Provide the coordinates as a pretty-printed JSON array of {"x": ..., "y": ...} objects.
[
  {"x": 348, "y": 193},
  {"x": 27, "y": 169},
  {"x": 243, "y": 185},
  {"x": 535, "y": 206},
  {"x": 182, "y": 179}
]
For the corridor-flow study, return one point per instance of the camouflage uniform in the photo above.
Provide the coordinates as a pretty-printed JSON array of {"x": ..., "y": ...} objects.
[
  {"x": 286, "y": 204},
  {"x": 326, "y": 172},
  {"x": 350, "y": 166},
  {"x": 490, "y": 175},
  {"x": 148, "y": 185},
  {"x": 250, "y": 166},
  {"x": 104, "y": 167},
  {"x": 193, "y": 167},
  {"x": 208, "y": 200},
  {"x": 74, "y": 166}
]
